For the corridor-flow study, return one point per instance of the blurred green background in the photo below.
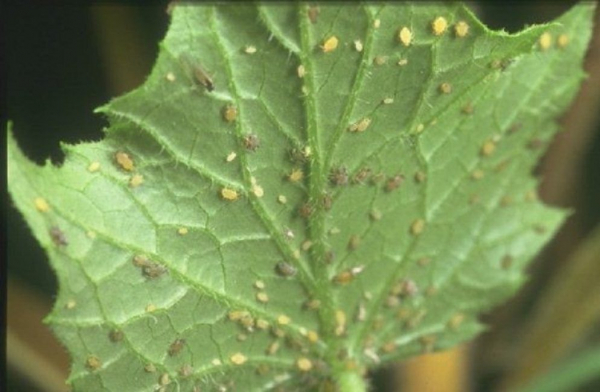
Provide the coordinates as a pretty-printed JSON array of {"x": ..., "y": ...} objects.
[{"x": 63, "y": 61}]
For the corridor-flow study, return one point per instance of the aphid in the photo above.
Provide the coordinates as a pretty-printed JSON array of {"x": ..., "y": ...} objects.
[
  {"x": 93, "y": 362},
  {"x": 417, "y": 226},
  {"x": 136, "y": 180},
  {"x": 273, "y": 348},
  {"x": 339, "y": 176},
  {"x": 305, "y": 210},
  {"x": 306, "y": 245},
  {"x": 304, "y": 364},
  {"x": 439, "y": 25},
  {"x": 285, "y": 269},
  {"x": 312, "y": 304},
  {"x": 361, "y": 313},
  {"x": 41, "y": 204},
  {"x": 176, "y": 347},
  {"x": 153, "y": 270},
  {"x": 354, "y": 242},
  {"x": 562, "y": 41},
  {"x": 392, "y": 301},
  {"x": 229, "y": 113},
  {"x": 282, "y": 319},
  {"x": 259, "y": 284},
  {"x": 312, "y": 336},
  {"x": 455, "y": 321},
  {"x": 377, "y": 23},
  {"x": 405, "y": 36},
  {"x": 461, "y": 29},
  {"x": 330, "y": 44},
  {"x": 467, "y": 109},
  {"x": 296, "y": 175},
  {"x": 419, "y": 128},
  {"x": 379, "y": 60},
  {"x": 150, "y": 368},
  {"x": 124, "y": 161},
  {"x": 182, "y": 231},
  {"x": 115, "y": 335},
  {"x": 282, "y": 199},
  {"x": 258, "y": 190},
  {"x": 170, "y": 77},
  {"x": 348, "y": 275},
  {"x": 164, "y": 379},
  {"x": 445, "y": 88},
  {"x": 402, "y": 62},
  {"x": 202, "y": 77},
  {"x": 150, "y": 308},
  {"x": 301, "y": 71},
  {"x": 250, "y": 49},
  {"x": 340, "y": 322},
  {"x": 241, "y": 337},
  {"x": 186, "y": 370},
  {"x": 71, "y": 304},
  {"x": 388, "y": 101},
  {"x": 488, "y": 148},
  {"x": 361, "y": 176},
  {"x": 229, "y": 194},
  {"x": 545, "y": 41},
  {"x": 327, "y": 201},
  {"x": 262, "y": 324},
  {"x": 360, "y": 126},
  {"x": 251, "y": 142},
  {"x": 94, "y": 167},
  {"x": 262, "y": 297},
  {"x": 288, "y": 233},
  {"x": 420, "y": 176},
  {"x": 358, "y": 45},
  {"x": 58, "y": 237},
  {"x": 375, "y": 215},
  {"x": 394, "y": 183},
  {"x": 313, "y": 13}
]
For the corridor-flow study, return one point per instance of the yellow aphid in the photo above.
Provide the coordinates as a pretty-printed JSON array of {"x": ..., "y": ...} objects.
[
  {"x": 92, "y": 363},
  {"x": 358, "y": 45},
  {"x": 360, "y": 126},
  {"x": 164, "y": 379},
  {"x": 273, "y": 348},
  {"x": 376, "y": 23},
  {"x": 124, "y": 161},
  {"x": 283, "y": 319},
  {"x": 136, "y": 180},
  {"x": 439, "y": 25},
  {"x": 420, "y": 128},
  {"x": 262, "y": 324},
  {"x": 312, "y": 336},
  {"x": 231, "y": 156},
  {"x": 545, "y": 41},
  {"x": 94, "y": 167},
  {"x": 488, "y": 148},
  {"x": 71, "y": 304},
  {"x": 445, "y": 88},
  {"x": 562, "y": 41},
  {"x": 402, "y": 62},
  {"x": 461, "y": 29},
  {"x": 250, "y": 49},
  {"x": 379, "y": 60},
  {"x": 229, "y": 113},
  {"x": 261, "y": 296},
  {"x": 182, "y": 231},
  {"x": 388, "y": 101},
  {"x": 417, "y": 226},
  {"x": 282, "y": 199},
  {"x": 330, "y": 44},
  {"x": 170, "y": 77},
  {"x": 301, "y": 71},
  {"x": 258, "y": 190},
  {"x": 304, "y": 364},
  {"x": 405, "y": 36},
  {"x": 340, "y": 322},
  {"x": 296, "y": 175},
  {"x": 238, "y": 359},
  {"x": 41, "y": 204},
  {"x": 229, "y": 194},
  {"x": 259, "y": 284}
]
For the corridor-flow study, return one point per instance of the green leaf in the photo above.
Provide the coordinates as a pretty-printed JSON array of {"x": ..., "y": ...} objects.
[{"x": 242, "y": 227}]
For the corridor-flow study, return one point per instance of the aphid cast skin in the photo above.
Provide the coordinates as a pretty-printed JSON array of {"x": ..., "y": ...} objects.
[{"x": 202, "y": 77}]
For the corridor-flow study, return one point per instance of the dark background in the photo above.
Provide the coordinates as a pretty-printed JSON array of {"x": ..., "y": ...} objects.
[{"x": 62, "y": 61}]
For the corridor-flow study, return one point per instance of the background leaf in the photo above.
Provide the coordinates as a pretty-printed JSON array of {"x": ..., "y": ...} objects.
[{"x": 393, "y": 182}]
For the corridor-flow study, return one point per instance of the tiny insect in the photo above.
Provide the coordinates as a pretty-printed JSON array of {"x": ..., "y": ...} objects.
[
  {"x": 439, "y": 25},
  {"x": 176, "y": 347},
  {"x": 115, "y": 335},
  {"x": 285, "y": 269},
  {"x": 153, "y": 270},
  {"x": 58, "y": 237},
  {"x": 124, "y": 161},
  {"x": 405, "y": 36},
  {"x": 361, "y": 175},
  {"x": 202, "y": 77},
  {"x": 339, "y": 176},
  {"x": 305, "y": 210},
  {"x": 251, "y": 142},
  {"x": 394, "y": 182}
]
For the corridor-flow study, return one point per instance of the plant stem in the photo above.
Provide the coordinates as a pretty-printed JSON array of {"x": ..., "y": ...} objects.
[{"x": 349, "y": 381}]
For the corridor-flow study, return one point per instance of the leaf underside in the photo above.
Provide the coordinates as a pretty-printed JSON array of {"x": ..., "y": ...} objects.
[{"x": 275, "y": 207}]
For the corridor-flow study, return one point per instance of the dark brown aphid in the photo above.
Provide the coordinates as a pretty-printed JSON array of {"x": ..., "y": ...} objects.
[
  {"x": 115, "y": 335},
  {"x": 58, "y": 237},
  {"x": 297, "y": 156},
  {"x": 251, "y": 142},
  {"x": 306, "y": 210},
  {"x": 327, "y": 202},
  {"x": 361, "y": 176},
  {"x": 394, "y": 182},
  {"x": 285, "y": 269},
  {"x": 153, "y": 270},
  {"x": 339, "y": 176},
  {"x": 202, "y": 77},
  {"x": 313, "y": 13},
  {"x": 176, "y": 347}
]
